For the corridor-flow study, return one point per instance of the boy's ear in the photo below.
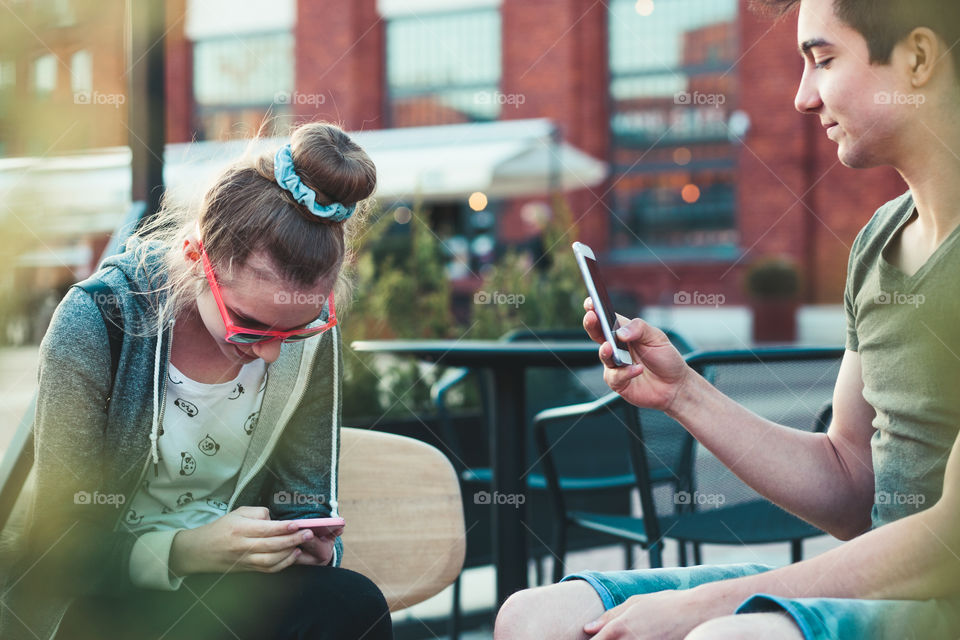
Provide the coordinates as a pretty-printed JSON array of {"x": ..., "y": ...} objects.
[{"x": 925, "y": 51}]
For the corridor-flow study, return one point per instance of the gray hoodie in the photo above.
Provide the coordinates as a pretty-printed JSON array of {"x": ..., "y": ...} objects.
[{"x": 92, "y": 458}]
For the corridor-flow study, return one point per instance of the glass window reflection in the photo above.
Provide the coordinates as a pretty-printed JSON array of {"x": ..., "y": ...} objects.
[{"x": 673, "y": 89}]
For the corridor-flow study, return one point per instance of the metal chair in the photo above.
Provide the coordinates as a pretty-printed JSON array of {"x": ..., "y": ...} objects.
[
  {"x": 678, "y": 482},
  {"x": 611, "y": 490}
]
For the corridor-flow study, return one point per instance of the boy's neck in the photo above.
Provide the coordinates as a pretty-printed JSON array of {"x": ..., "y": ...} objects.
[{"x": 934, "y": 181}]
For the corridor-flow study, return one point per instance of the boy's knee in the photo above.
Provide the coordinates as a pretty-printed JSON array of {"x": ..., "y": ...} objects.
[
  {"x": 515, "y": 618},
  {"x": 557, "y": 611},
  {"x": 749, "y": 626}
]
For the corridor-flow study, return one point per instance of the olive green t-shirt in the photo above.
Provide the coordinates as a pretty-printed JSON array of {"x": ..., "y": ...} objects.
[{"x": 907, "y": 332}]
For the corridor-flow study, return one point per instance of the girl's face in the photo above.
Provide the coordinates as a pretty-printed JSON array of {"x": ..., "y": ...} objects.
[{"x": 257, "y": 298}]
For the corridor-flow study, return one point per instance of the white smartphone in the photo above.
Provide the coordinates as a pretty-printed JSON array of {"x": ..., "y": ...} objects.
[{"x": 601, "y": 302}]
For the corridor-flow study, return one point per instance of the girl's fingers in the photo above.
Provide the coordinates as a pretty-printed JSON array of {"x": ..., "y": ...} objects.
[
  {"x": 308, "y": 559},
  {"x": 275, "y": 544},
  {"x": 273, "y": 562},
  {"x": 266, "y": 528}
]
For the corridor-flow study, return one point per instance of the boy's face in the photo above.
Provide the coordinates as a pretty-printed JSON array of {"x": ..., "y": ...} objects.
[{"x": 862, "y": 106}]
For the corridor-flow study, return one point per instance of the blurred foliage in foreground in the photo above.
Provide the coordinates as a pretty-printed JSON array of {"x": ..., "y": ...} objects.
[{"x": 406, "y": 294}]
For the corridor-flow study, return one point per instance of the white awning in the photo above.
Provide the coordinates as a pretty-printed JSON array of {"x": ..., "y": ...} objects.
[
  {"x": 90, "y": 192},
  {"x": 502, "y": 159}
]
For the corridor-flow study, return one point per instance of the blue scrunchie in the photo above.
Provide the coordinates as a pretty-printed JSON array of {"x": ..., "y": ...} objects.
[{"x": 288, "y": 179}]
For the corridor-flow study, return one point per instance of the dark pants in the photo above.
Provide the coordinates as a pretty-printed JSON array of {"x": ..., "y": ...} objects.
[{"x": 298, "y": 603}]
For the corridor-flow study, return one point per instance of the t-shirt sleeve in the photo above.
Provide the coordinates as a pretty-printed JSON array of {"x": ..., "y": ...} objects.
[
  {"x": 852, "y": 343},
  {"x": 852, "y": 286}
]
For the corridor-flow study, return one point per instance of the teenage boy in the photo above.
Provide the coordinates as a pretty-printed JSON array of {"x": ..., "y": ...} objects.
[{"x": 884, "y": 80}]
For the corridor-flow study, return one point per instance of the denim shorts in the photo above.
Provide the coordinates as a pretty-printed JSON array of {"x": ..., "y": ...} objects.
[{"x": 817, "y": 618}]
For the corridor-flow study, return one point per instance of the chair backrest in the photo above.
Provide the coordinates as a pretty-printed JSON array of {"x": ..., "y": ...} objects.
[
  {"x": 399, "y": 496},
  {"x": 405, "y": 527},
  {"x": 546, "y": 387},
  {"x": 790, "y": 386}
]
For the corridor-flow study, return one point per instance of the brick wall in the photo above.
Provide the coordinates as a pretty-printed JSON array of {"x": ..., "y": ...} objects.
[
  {"x": 340, "y": 55},
  {"x": 555, "y": 56},
  {"x": 794, "y": 197},
  {"x": 60, "y": 122},
  {"x": 179, "y": 75}
]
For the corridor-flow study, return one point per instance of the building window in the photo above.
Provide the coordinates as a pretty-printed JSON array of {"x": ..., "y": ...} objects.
[
  {"x": 45, "y": 75},
  {"x": 444, "y": 68},
  {"x": 81, "y": 72},
  {"x": 673, "y": 92},
  {"x": 236, "y": 81}
]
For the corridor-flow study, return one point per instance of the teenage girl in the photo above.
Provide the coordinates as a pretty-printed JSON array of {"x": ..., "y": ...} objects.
[{"x": 166, "y": 495}]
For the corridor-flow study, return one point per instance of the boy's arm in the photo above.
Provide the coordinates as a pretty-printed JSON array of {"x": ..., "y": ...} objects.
[
  {"x": 826, "y": 479},
  {"x": 915, "y": 558}
]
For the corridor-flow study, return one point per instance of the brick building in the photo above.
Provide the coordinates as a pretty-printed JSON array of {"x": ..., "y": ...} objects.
[{"x": 690, "y": 102}]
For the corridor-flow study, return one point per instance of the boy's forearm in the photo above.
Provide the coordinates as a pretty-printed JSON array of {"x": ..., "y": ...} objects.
[{"x": 798, "y": 470}]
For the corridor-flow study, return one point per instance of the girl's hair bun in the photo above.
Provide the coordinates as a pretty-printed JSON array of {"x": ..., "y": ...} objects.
[{"x": 332, "y": 164}]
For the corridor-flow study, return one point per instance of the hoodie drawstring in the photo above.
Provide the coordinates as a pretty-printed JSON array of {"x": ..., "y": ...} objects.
[{"x": 155, "y": 426}]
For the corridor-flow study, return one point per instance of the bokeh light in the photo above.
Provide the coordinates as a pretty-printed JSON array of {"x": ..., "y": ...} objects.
[{"x": 478, "y": 201}]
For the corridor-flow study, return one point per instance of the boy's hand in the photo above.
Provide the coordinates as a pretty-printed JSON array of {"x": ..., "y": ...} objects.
[{"x": 659, "y": 373}]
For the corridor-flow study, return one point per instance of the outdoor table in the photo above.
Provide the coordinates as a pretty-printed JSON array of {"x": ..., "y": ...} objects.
[{"x": 506, "y": 364}]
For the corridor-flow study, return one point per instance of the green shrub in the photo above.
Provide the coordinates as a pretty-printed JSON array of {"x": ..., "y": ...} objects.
[{"x": 402, "y": 291}]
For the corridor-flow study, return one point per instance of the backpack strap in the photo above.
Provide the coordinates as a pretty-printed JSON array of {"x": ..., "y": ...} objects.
[{"x": 109, "y": 306}]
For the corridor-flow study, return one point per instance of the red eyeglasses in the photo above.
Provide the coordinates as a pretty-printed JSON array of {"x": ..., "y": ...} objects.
[{"x": 241, "y": 335}]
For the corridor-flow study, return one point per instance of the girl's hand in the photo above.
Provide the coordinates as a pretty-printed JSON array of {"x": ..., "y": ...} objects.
[
  {"x": 659, "y": 373},
  {"x": 318, "y": 550},
  {"x": 246, "y": 539}
]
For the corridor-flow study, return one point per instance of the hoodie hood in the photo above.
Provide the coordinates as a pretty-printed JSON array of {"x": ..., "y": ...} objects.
[{"x": 143, "y": 307}]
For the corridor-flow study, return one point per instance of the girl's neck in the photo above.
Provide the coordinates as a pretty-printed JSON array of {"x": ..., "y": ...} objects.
[{"x": 196, "y": 354}]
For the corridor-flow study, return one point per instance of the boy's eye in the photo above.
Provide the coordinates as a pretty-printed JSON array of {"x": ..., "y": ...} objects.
[{"x": 824, "y": 64}]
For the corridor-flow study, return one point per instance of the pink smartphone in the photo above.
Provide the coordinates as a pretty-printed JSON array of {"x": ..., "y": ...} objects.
[{"x": 320, "y": 526}]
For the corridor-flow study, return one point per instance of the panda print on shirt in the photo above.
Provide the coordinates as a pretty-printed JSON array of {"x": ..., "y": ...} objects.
[
  {"x": 206, "y": 430},
  {"x": 251, "y": 423},
  {"x": 188, "y": 464},
  {"x": 187, "y": 407},
  {"x": 208, "y": 446}
]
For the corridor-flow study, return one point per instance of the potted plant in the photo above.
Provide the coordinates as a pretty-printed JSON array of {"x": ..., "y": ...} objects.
[{"x": 773, "y": 287}]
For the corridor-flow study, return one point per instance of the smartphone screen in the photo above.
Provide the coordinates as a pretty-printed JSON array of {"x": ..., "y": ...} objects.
[{"x": 601, "y": 288}]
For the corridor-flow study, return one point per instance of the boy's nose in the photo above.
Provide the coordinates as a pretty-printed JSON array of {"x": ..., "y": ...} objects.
[{"x": 807, "y": 99}]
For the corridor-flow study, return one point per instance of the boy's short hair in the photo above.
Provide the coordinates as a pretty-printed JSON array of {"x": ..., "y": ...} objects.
[{"x": 884, "y": 23}]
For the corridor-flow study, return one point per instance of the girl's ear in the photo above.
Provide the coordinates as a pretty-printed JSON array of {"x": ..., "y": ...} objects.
[{"x": 190, "y": 249}]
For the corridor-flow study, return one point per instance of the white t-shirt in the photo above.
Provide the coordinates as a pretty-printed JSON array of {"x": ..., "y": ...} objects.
[{"x": 206, "y": 431}]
